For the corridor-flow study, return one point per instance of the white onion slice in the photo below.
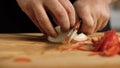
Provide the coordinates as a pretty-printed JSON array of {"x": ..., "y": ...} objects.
[
  {"x": 72, "y": 34},
  {"x": 60, "y": 37},
  {"x": 80, "y": 37}
]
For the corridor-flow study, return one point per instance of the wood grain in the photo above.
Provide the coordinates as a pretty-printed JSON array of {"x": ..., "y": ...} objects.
[{"x": 44, "y": 54}]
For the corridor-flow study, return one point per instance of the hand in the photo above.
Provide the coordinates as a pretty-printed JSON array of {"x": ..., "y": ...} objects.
[
  {"x": 94, "y": 14},
  {"x": 62, "y": 12}
]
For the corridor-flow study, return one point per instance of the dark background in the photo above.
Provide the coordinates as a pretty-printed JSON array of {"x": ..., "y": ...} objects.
[{"x": 13, "y": 20}]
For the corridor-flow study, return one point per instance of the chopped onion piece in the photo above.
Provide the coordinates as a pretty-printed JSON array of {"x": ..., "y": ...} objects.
[
  {"x": 60, "y": 37},
  {"x": 80, "y": 37},
  {"x": 73, "y": 35}
]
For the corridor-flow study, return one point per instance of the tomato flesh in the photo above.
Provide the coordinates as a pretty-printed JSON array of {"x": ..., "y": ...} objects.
[{"x": 109, "y": 44}]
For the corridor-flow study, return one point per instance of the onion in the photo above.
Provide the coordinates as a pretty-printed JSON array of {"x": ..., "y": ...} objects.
[
  {"x": 80, "y": 37},
  {"x": 72, "y": 34},
  {"x": 60, "y": 37}
]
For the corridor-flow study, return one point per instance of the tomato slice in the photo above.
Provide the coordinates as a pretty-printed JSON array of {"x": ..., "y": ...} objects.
[
  {"x": 22, "y": 59},
  {"x": 109, "y": 44},
  {"x": 112, "y": 51}
]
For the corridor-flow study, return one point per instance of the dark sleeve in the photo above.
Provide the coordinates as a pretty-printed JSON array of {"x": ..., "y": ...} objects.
[{"x": 107, "y": 27}]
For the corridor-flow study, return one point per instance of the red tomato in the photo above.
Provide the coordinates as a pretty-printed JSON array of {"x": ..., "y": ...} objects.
[
  {"x": 22, "y": 59},
  {"x": 109, "y": 44}
]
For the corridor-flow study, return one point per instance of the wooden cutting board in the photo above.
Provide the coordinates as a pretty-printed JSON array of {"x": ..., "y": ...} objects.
[{"x": 36, "y": 52}]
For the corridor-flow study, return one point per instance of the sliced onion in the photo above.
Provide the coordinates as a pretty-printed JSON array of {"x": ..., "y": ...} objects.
[
  {"x": 73, "y": 34},
  {"x": 60, "y": 37},
  {"x": 80, "y": 37}
]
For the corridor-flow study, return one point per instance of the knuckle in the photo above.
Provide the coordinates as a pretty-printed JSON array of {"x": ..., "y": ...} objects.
[
  {"x": 60, "y": 13},
  {"x": 65, "y": 28},
  {"x": 41, "y": 19},
  {"x": 90, "y": 25},
  {"x": 85, "y": 8},
  {"x": 104, "y": 14},
  {"x": 70, "y": 10},
  {"x": 107, "y": 16}
]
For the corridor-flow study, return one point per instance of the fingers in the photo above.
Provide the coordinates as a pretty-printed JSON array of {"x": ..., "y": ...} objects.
[
  {"x": 59, "y": 13},
  {"x": 87, "y": 23},
  {"x": 104, "y": 24},
  {"x": 87, "y": 19},
  {"x": 43, "y": 21},
  {"x": 105, "y": 20},
  {"x": 26, "y": 6},
  {"x": 93, "y": 18},
  {"x": 97, "y": 24},
  {"x": 102, "y": 21},
  {"x": 70, "y": 11},
  {"x": 62, "y": 12},
  {"x": 31, "y": 15}
]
